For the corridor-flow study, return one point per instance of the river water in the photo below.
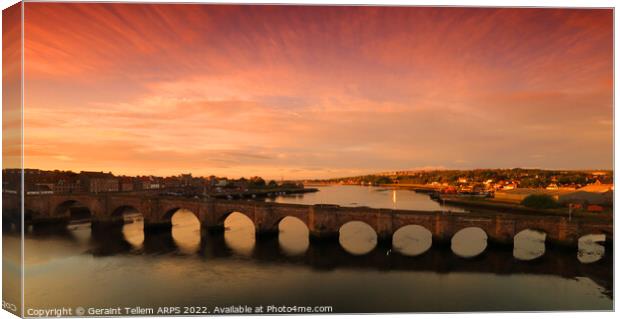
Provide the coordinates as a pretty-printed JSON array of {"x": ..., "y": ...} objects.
[{"x": 188, "y": 267}]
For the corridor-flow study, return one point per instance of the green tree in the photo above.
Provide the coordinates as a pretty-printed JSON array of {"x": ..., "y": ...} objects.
[
  {"x": 257, "y": 181},
  {"x": 542, "y": 201},
  {"x": 383, "y": 180}
]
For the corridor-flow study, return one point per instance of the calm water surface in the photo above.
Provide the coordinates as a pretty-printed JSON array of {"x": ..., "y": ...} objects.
[{"x": 187, "y": 267}]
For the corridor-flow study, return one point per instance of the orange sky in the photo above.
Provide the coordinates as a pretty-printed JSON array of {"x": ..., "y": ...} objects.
[{"x": 296, "y": 92}]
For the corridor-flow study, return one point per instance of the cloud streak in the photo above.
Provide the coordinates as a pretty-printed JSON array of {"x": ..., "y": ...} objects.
[{"x": 300, "y": 91}]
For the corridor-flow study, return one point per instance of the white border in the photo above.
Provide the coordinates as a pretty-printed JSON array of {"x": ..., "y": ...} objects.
[{"x": 470, "y": 3}]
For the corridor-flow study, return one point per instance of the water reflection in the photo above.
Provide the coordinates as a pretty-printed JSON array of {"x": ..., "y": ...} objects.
[
  {"x": 357, "y": 238},
  {"x": 590, "y": 248},
  {"x": 133, "y": 229},
  {"x": 469, "y": 242},
  {"x": 240, "y": 234},
  {"x": 79, "y": 230},
  {"x": 47, "y": 243},
  {"x": 412, "y": 240},
  {"x": 375, "y": 197},
  {"x": 128, "y": 268},
  {"x": 293, "y": 236},
  {"x": 324, "y": 271},
  {"x": 529, "y": 244},
  {"x": 186, "y": 231},
  {"x": 394, "y": 201}
]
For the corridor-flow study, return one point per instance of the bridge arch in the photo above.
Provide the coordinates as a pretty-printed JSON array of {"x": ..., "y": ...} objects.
[
  {"x": 185, "y": 229},
  {"x": 240, "y": 232},
  {"x": 412, "y": 240},
  {"x": 222, "y": 218},
  {"x": 290, "y": 218},
  {"x": 73, "y": 209},
  {"x": 30, "y": 214},
  {"x": 169, "y": 213},
  {"x": 293, "y": 235},
  {"x": 469, "y": 242},
  {"x": 122, "y": 210},
  {"x": 132, "y": 221},
  {"x": 357, "y": 237}
]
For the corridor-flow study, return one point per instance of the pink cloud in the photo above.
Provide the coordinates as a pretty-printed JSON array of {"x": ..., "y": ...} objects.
[{"x": 315, "y": 91}]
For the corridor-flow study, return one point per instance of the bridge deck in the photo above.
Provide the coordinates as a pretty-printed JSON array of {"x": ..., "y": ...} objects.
[{"x": 323, "y": 220}]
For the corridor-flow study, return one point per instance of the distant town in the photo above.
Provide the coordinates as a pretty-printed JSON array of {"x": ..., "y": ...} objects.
[
  {"x": 482, "y": 179},
  {"x": 580, "y": 190},
  {"x": 588, "y": 190},
  {"x": 37, "y": 182}
]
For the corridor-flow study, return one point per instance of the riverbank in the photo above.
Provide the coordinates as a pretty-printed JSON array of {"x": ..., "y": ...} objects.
[
  {"x": 420, "y": 188},
  {"x": 494, "y": 205},
  {"x": 415, "y": 187},
  {"x": 263, "y": 193}
]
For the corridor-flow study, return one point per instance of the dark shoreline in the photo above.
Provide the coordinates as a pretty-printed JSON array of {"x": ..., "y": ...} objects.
[{"x": 264, "y": 192}]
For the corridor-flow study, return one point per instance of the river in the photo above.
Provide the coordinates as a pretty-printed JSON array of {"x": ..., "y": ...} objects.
[{"x": 188, "y": 267}]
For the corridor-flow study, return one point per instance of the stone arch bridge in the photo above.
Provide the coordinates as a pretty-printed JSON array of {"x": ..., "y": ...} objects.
[{"x": 323, "y": 221}]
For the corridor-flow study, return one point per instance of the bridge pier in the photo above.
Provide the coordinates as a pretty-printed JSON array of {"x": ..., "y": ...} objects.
[
  {"x": 565, "y": 235},
  {"x": 51, "y": 220},
  {"x": 267, "y": 233},
  {"x": 324, "y": 236},
  {"x": 156, "y": 227},
  {"x": 47, "y": 225},
  {"x": 441, "y": 241},
  {"x": 213, "y": 229},
  {"x": 11, "y": 219},
  {"x": 500, "y": 244},
  {"x": 384, "y": 240},
  {"x": 158, "y": 242},
  {"x": 267, "y": 249},
  {"x": 9, "y": 225},
  {"x": 106, "y": 223},
  {"x": 564, "y": 244}
]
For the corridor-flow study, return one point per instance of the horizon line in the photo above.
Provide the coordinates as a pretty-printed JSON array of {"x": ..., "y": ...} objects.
[{"x": 328, "y": 178}]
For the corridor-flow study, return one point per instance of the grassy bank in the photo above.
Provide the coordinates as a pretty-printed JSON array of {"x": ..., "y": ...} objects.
[{"x": 494, "y": 205}]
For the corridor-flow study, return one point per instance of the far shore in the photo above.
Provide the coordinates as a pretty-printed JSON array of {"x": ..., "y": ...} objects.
[{"x": 483, "y": 204}]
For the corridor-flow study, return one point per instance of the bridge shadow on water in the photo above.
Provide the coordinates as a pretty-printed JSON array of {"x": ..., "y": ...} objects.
[{"x": 331, "y": 255}]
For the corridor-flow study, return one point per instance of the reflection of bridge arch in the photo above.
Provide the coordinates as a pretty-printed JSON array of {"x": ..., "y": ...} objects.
[{"x": 323, "y": 221}]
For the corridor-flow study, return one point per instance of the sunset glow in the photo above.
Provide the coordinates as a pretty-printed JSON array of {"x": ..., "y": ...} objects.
[{"x": 312, "y": 92}]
